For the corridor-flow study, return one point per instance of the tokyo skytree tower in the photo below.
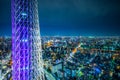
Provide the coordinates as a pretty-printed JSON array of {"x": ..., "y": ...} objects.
[{"x": 26, "y": 42}]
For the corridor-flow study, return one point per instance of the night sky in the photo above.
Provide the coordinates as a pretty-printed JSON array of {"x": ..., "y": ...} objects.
[{"x": 70, "y": 17}]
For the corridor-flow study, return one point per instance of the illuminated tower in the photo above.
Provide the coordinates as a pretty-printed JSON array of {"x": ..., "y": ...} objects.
[{"x": 26, "y": 42}]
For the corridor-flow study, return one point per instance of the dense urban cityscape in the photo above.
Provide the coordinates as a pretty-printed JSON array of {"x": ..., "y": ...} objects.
[
  {"x": 71, "y": 58},
  {"x": 86, "y": 45}
]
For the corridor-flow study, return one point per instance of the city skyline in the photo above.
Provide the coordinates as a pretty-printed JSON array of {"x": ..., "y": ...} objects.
[{"x": 70, "y": 18}]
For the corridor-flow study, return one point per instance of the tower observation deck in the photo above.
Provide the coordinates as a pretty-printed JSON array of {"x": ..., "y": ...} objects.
[{"x": 26, "y": 42}]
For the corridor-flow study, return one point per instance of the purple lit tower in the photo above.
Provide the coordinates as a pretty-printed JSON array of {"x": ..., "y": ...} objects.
[{"x": 26, "y": 42}]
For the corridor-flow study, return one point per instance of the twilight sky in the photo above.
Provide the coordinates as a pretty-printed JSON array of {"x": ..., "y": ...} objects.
[{"x": 70, "y": 17}]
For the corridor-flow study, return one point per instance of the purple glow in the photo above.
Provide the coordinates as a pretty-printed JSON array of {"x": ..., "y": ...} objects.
[
  {"x": 24, "y": 39},
  {"x": 20, "y": 47}
]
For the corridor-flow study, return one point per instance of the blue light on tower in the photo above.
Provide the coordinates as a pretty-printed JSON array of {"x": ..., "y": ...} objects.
[{"x": 24, "y": 14}]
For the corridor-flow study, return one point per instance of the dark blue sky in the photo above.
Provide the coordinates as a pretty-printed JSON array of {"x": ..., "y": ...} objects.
[{"x": 71, "y": 17}]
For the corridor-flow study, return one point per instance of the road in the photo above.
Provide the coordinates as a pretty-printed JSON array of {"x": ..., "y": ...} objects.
[{"x": 49, "y": 76}]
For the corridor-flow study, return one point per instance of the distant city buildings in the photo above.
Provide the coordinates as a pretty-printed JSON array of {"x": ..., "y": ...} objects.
[{"x": 75, "y": 58}]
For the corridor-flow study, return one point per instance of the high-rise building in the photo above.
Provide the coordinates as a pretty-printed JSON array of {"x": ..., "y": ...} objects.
[{"x": 26, "y": 42}]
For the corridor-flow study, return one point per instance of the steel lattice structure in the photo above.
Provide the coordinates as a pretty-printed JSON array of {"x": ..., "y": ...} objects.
[{"x": 26, "y": 42}]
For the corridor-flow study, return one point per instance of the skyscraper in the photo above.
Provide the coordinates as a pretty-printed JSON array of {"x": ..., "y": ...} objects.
[{"x": 26, "y": 42}]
